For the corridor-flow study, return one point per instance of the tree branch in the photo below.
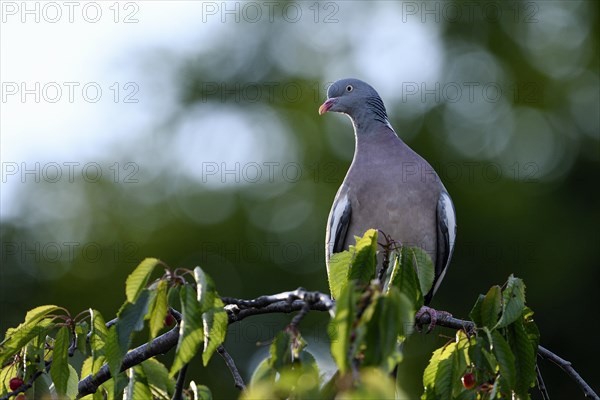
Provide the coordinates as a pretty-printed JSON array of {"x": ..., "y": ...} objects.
[
  {"x": 286, "y": 302},
  {"x": 446, "y": 320},
  {"x": 159, "y": 345},
  {"x": 180, "y": 383},
  {"x": 237, "y": 378},
  {"x": 569, "y": 370},
  {"x": 237, "y": 310}
]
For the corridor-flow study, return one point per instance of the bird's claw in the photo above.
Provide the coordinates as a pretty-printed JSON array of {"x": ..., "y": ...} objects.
[{"x": 433, "y": 318}]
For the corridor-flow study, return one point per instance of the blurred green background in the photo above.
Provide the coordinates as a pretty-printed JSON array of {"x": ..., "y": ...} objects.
[{"x": 233, "y": 170}]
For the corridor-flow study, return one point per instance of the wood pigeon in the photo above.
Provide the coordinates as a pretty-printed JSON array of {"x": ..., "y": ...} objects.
[{"x": 388, "y": 186}]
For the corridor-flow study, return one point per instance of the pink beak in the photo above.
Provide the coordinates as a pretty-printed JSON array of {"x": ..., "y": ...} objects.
[{"x": 327, "y": 105}]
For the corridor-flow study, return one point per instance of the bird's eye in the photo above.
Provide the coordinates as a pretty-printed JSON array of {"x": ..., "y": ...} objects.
[{"x": 349, "y": 88}]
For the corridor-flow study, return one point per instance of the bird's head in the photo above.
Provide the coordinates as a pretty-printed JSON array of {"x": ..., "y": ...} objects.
[{"x": 355, "y": 98}]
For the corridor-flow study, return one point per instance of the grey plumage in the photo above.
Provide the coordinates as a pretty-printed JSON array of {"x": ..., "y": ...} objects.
[{"x": 388, "y": 186}]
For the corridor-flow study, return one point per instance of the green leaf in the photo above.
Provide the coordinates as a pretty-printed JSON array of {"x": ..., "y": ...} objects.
[
  {"x": 505, "y": 358},
  {"x": 341, "y": 327},
  {"x": 406, "y": 315},
  {"x": 98, "y": 395},
  {"x": 82, "y": 329},
  {"x": 205, "y": 290},
  {"x": 113, "y": 388},
  {"x": 173, "y": 297},
  {"x": 6, "y": 374},
  {"x": 531, "y": 328},
  {"x": 437, "y": 377},
  {"x": 157, "y": 376},
  {"x": 97, "y": 340},
  {"x": 263, "y": 372},
  {"x": 36, "y": 351},
  {"x": 297, "y": 379},
  {"x": 513, "y": 302},
  {"x": 190, "y": 329},
  {"x": 525, "y": 352},
  {"x": 423, "y": 266},
  {"x": 480, "y": 356},
  {"x": 390, "y": 319},
  {"x": 406, "y": 279},
  {"x": 308, "y": 364},
  {"x": 374, "y": 384},
  {"x": 72, "y": 383},
  {"x": 281, "y": 350},
  {"x": 466, "y": 394},
  {"x": 37, "y": 323},
  {"x": 106, "y": 390},
  {"x": 392, "y": 270},
  {"x": 158, "y": 309},
  {"x": 364, "y": 262},
  {"x": 200, "y": 392},
  {"x": 131, "y": 319},
  {"x": 138, "y": 279},
  {"x": 112, "y": 351},
  {"x": 475, "y": 313},
  {"x": 40, "y": 312},
  {"x": 377, "y": 350},
  {"x": 357, "y": 263},
  {"x": 460, "y": 362},
  {"x": 367, "y": 303},
  {"x": 330, "y": 388},
  {"x": 337, "y": 272},
  {"x": 490, "y": 308},
  {"x": 215, "y": 322},
  {"x": 18, "y": 337},
  {"x": 86, "y": 368},
  {"x": 137, "y": 388},
  {"x": 441, "y": 378},
  {"x": 59, "y": 370}
]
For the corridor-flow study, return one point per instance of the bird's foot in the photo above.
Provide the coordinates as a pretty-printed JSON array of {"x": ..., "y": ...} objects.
[{"x": 434, "y": 315}]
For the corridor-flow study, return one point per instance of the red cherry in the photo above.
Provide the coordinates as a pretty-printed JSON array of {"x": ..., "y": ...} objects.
[
  {"x": 169, "y": 320},
  {"x": 21, "y": 397},
  {"x": 15, "y": 383},
  {"x": 468, "y": 380}
]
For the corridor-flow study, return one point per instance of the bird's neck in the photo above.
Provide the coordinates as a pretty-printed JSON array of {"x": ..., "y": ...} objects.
[
  {"x": 369, "y": 129},
  {"x": 369, "y": 120},
  {"x": 373, "y": 138}
]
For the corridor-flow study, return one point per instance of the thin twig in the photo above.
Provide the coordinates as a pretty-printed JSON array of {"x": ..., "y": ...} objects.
[
  {"x": 298, "y": 317},
  {"x": 180, "y": 383},
  {"x": 73, "y": 344},
  {"x": 237, "y": 378},
  {"x": 309, "y": 298},
  {"x": 389, "y": 245},
  {"x": 569, "y": 370},
  {"x": 450, "y": 322},
  {"x": 540, "y": 383}
]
